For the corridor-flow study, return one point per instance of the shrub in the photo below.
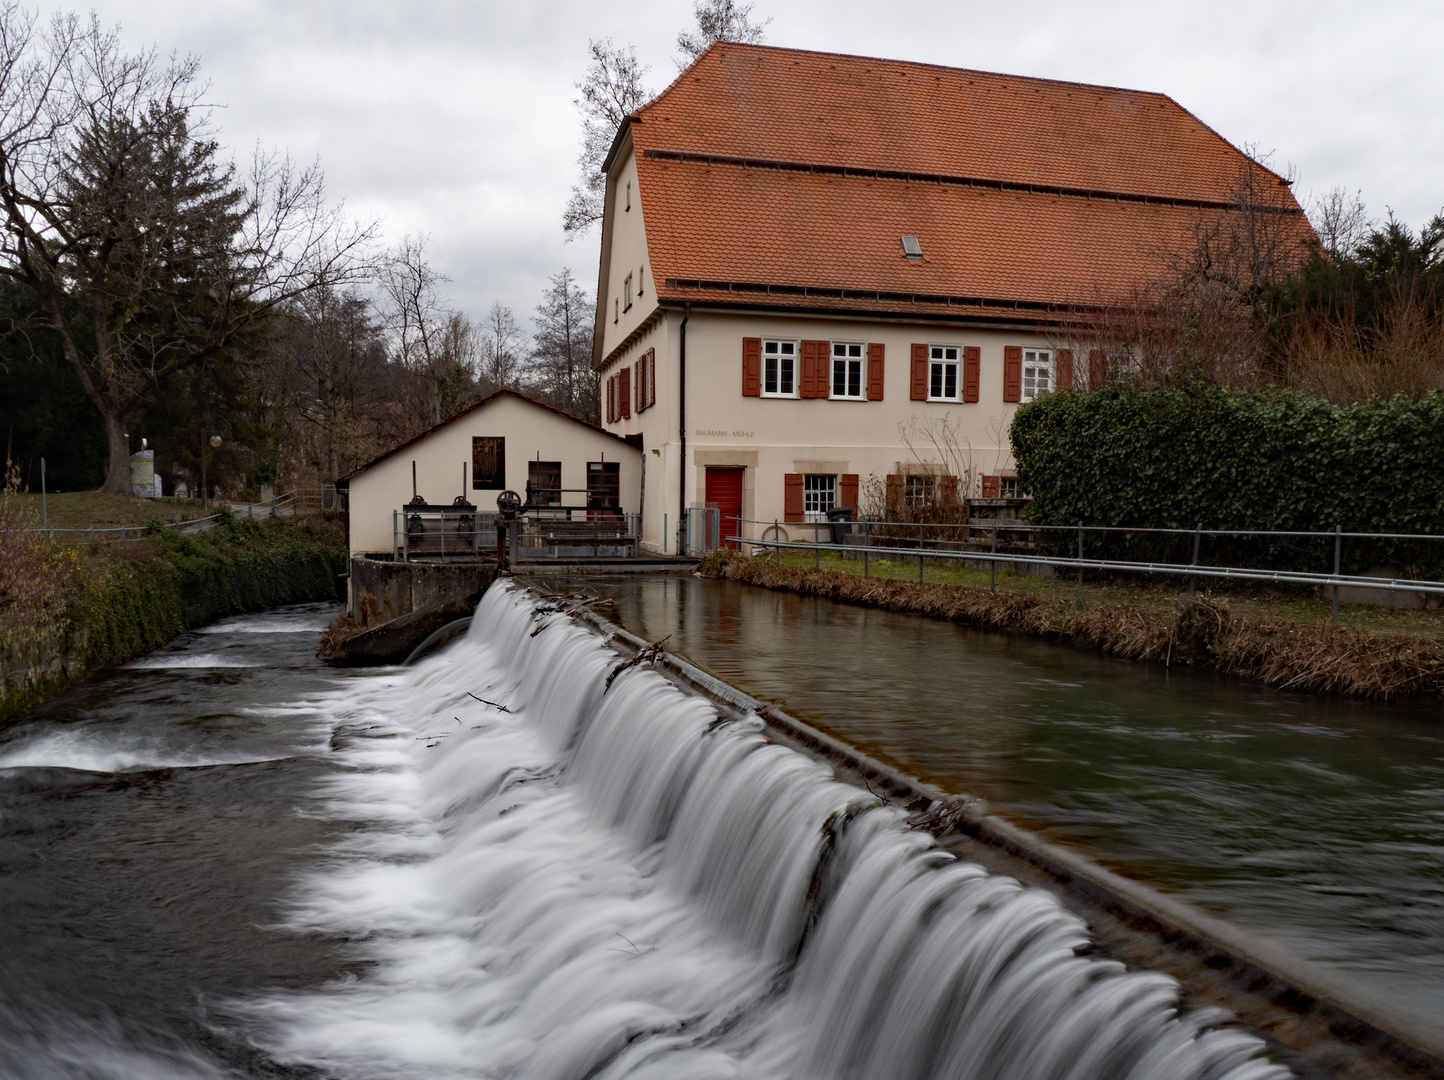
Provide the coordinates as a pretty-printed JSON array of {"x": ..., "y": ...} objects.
[{"x": 1269, "y": 460}]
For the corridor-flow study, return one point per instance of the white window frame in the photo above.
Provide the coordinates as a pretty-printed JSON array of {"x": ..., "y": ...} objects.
[
  {"x": 1035, "y": 362},
  {"x": 851, "y": 356},
  {"x": 1009, "y": 488},
  {"x": 943, "y": 358},
  {"x": 819, "y": 495},
  {"x": 782, "y": 349},
  {"x": 920, "y": 490}
]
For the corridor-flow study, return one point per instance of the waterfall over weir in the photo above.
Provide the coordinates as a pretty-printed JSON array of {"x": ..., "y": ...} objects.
[{"x": 609, "y": 881}]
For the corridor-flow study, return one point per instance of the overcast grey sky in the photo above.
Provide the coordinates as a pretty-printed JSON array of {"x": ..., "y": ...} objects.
[{"x": 455, "y": 118}]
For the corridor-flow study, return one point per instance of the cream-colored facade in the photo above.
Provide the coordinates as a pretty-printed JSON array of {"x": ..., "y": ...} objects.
[
  {"x": 443, "y": 464},
  {"x": 771, "y": 437}
]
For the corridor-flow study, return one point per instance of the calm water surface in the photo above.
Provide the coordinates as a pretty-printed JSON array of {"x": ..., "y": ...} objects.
[{"x": 1314, "y": 822}]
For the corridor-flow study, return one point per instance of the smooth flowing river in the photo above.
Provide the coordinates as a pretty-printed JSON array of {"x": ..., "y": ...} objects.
[
  {"x": 517, "y": 859},
  {"x": 1315, "y": 822}
]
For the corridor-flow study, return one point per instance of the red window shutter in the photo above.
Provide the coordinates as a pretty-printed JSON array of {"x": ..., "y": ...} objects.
[
  {"x": 792, "y": 496},
  {"x": 1063, "y": 368},
  {"x": 1097, "y": 368},
  {"x": 874, "y": 371},
  {"x": 948, "y": 493},
  {"x": 624, "y": 392},
  {"x": 816, "y": 380},
  {"x": 1012, "y": 373},
  {"x": 972, "y": 371},
  {"x": 894, "y": 492},
  {"x": 992, "y": 485},
  {"x": 920, "y": 373},
  {"x": 806, "y": 386},
  {"x": 847, "y": 496},
  {"x": 752, "y": 367},
  {"x": 651, "y": 377}
]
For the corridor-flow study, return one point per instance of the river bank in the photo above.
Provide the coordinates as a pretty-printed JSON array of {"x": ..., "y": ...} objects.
[
  {"x": 66, "y": 612},
  {"x": 1201, "y": 632}
]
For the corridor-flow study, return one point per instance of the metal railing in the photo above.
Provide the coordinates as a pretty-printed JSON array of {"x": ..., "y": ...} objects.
[
  {"x": 441, "y": 532},
  {"x": 922, "y": 549},
  {"x": 118, "y": 534}
]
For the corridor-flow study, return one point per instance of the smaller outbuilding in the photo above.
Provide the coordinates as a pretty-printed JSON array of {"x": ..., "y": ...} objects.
[{"x": 568, "y": 473}]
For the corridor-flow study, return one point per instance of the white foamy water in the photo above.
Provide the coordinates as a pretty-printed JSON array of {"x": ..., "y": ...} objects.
[
  {"x": 102, "y": 750},
  {"x": 266, "y": 624},
  {"x": 613, "y": 883},
  {"x": 182, "y": 661}
]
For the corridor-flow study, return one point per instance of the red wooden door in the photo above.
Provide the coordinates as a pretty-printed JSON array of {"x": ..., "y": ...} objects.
[{"x": 724, "y": 491}]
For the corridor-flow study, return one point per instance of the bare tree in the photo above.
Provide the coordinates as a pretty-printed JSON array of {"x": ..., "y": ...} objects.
[
  {"x": 114, "y": 203},
  {"x": 562, "y": 348},
  {"x": 429, "y": 341},
  {"x": 718, "y": 20},
  {"x": 335, "y": 353},
  {"x": 610, "y": 92},
  {"x": 1340, "y": 220},
  {"x": 501, "y": 348}
]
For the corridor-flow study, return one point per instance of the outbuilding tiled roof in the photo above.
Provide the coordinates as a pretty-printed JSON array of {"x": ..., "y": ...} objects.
[{"x": 789, "y": 177}]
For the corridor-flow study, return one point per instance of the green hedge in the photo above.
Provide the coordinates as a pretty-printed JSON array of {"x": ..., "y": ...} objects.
[
  {"x": 1264, "y": 460},
  {"x": 129, "y": 609}
]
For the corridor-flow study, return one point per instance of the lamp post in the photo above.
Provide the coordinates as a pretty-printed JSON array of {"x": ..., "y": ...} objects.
[{"x": 214, "y": 441}]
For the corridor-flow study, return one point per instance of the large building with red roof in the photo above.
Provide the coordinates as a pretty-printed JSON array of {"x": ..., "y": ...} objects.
[{"x": 806, "y": 255}]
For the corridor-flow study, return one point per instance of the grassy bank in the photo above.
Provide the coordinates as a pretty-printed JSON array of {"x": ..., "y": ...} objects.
[
  {"x": 66, "y": 611},
  {"x": 1378, "y": 655}
]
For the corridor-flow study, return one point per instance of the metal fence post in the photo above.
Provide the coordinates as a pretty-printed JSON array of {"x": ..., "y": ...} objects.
[
  {"x": 993, "y": 565},
  {"x": 866, "y": 543},
  {"x": 664, "y": 534},
  {"x": 920, "y": 552},
  {"x": 1197, "y": 536},
  {"x": 1080, "y": 563},
  {"x": 1338, "y": 552},
  {"x": 816, "y": 551}
]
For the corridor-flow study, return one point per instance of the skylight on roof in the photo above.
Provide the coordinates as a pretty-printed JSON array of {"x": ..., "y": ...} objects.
[{"x": 911, "y": 248}]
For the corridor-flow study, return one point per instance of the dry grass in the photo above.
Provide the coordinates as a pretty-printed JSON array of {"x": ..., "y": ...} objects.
[
  {"x": 82, "y": 509},
  {"x": 1192, "y": 631}
]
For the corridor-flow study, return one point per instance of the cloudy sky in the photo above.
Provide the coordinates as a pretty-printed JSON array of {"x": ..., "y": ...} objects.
[{"x": 455, "y": 119}]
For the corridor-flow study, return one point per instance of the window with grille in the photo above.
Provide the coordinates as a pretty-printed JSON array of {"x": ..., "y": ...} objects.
[
  {"x": 779, "y": 368},
  {"x": 544, "y": 483},
  {"x": 819, "y": 495},
  {"x": 1009, "y": 488},
  {"x": 847, "y": 370},
  {"x": 921, "y": 491},
  {"x": 943, "y": 372},
  {"x": 604, "y": 486},
  {"x": 1037, "y": 373}
]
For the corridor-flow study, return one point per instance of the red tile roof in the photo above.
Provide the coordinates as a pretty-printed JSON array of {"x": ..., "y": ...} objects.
[{"x": 797, "y": 170}]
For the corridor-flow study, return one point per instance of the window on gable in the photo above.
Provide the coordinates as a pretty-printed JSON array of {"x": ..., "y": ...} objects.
[
  {"x": 627, "y": 293},
  {"x": 943, "y": 372},
  {"x": 779, "y": 368},
  {"x": 616, "y": 310},
  {"x": 819, "y": 495},
  {"x": 1037, "y": 373},
  {"x": 488, "y": 462},
  {"x": 847, "y": 370},
  {"x": 641, "y": 280},
  {"x": 629, "y": 195}
]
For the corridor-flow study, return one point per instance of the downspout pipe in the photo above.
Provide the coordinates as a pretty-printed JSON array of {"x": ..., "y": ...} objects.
[{"x": 682, "y": 433}]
